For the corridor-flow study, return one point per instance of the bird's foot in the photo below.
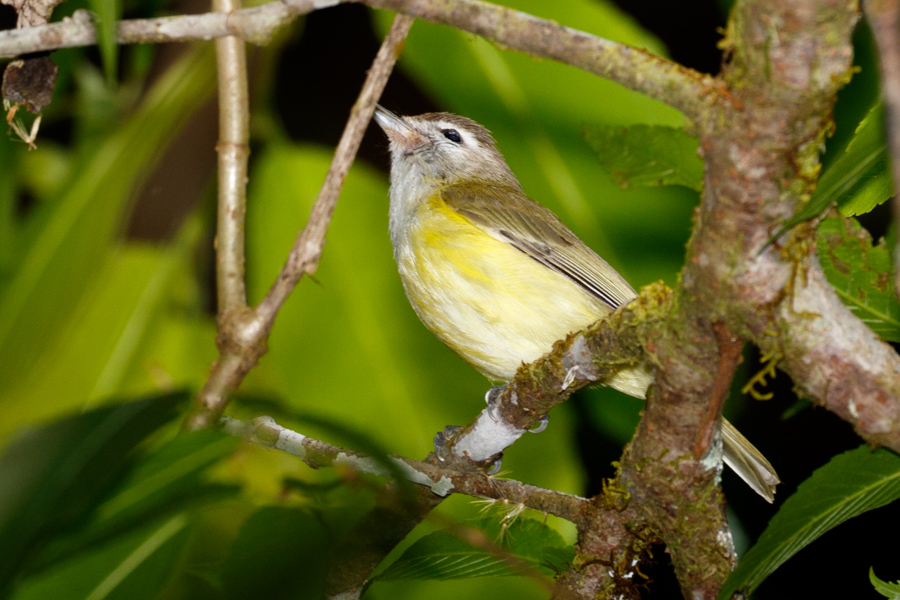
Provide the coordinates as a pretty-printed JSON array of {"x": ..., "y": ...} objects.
[{"x": 441, "y": 437}]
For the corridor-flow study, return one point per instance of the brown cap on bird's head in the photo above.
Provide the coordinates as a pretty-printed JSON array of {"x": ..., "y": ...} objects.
[{"x": 446, "y": 147}]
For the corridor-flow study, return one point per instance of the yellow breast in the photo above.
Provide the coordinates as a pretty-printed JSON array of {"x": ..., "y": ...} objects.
[{"x": 489, "y": 302}]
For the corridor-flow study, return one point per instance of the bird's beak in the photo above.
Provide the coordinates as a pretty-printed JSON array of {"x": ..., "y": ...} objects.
[{"x": 398, "y": 130}]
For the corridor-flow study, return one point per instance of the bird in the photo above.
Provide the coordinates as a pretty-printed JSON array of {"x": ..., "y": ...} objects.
[{"x": 496, "y": 276}]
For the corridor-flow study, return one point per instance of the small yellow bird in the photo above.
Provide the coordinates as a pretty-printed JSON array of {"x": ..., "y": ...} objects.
[{"x": 493, "y": 274}]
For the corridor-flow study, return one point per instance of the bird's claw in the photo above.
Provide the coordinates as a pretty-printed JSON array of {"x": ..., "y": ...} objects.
[{"x": 544, "y": 422}]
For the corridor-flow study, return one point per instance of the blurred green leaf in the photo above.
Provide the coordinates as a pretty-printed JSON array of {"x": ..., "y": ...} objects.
[
  {"x": 849, "y": 485},
  {"x": 886, "y": 589},
  {"x": 178, "y": 346},
  {"x": 647, "y": 155},
  {"x": 69, "y": 240},
  {"x": 442, "y": 555},
  {"x": 169, "y": 470},
  {"x": 44, "y": 172},
  {"x": 280, "y": 552},
  {"x": 130, "y": 568},
  {"x": 86, "y": 358},
  {"x": 8, "y": 229},
  {"x": 108, "y": 14},
  {"x": 162, "y": 482},
  {"x": 861, "y": 274},
  {"x": 55, "y": 476},
  {"x": 858, "y": 180}
]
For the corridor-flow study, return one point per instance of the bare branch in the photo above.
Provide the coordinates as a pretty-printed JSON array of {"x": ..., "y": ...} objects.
[
  {"x": 884, "y": 19},
  {"x": 243, "y": 334},
  {"x": 685, "y": 89},
  {"x": 233, "y": 150},
  {"x": 307, "y": 248},
  {"x": 255, "y": 24},
  {"x": 438, "y": 478},
  {"x": 837, "y": 360}
]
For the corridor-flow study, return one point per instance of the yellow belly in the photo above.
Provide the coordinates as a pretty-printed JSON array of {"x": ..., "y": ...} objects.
[{"x": 490, "y": 303}]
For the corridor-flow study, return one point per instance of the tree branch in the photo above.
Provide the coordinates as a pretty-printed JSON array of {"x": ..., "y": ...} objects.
[
  {"x": 761, "y": 165},
  {"x": 683, "y": 88},
  {"x": 254, "y": 24},
  {"x": 836, "y": 359},
  {"x": 243, "y": 333},
  {"x": 435, "y": 476},
  {"x": 233, "y": 150},
  {"x": 307, "y": 249},
  {"x": 687, "y": 90}
]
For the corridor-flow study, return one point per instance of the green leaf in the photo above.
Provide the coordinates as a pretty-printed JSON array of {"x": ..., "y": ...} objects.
[
  {"x": 108, "y": 14},
  {"x": 859, "y": 179},
  {"x": 70, "y": 239},
  {"x": 8, "y": 225},
  {"x": 647, "y": 155},
  {"x": 886, "y": 589},
  {"x": 163, "y": 472},
  {"x": 280, "y": 552},
  {"x": 134, "y": 567},
  {"x": 163, "y": 482},
  {"x": 442, "y": 555},
  {"x": 54, "y": 477},
  {"x": 861, "y": 274},
  {"x": 849, "y": 485},
  {"x": 867, "y": 159}
]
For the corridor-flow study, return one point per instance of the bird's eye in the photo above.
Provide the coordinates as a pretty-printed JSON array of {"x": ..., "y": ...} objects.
[{"x": 452, "y": 135}]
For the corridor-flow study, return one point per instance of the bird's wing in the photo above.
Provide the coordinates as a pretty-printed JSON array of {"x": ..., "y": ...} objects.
[{"x": 509, "y": 215}]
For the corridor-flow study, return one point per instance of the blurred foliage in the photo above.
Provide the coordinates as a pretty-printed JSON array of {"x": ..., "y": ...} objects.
[
  {"x": 647, "y": 155},
  {"x": 99, "y": 497}
]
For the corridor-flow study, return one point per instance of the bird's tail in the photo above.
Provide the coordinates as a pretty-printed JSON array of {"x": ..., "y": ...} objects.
[
  {"x": 748, "y": 462},
  {"x": 742, "y": 456}
]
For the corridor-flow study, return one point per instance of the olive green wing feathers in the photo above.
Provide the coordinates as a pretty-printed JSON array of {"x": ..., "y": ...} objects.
[{"x": 511, "y": 216}]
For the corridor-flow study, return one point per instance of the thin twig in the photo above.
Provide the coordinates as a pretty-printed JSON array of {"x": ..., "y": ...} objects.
[
  {"x": 255, "y": 24},
  {"x": 243, "y": 331},
  {"x": 264, "y": 431},
  {"x": 307, "y": 248},
  {"x": 884, "y": 19},
  {"x": 233, "y": 150}
]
